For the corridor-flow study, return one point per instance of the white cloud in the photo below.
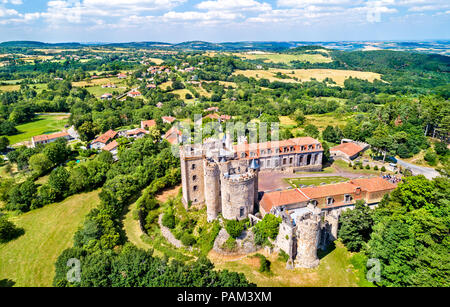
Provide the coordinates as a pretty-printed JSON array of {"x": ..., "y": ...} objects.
[{"x": 244, "y": 5}]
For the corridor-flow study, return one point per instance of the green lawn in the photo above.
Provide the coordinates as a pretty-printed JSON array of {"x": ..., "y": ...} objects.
[
  {"x": 335, "y": 270},
  {"x": 29, "y": 260},
  {"x": 297, "y": 182},
  {"x": 43, "y": 124},
  {"x": 343, "y": 166}
]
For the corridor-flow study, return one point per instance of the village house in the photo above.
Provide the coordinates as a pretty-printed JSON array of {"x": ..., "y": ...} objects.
[
  {"x": 109, "y": 85},
  {"x": 107, "y": 96},
  {"x": 113, "y": 148},
  {"x": 103, "y": 139},
  {"x": 136, "y": 133},
  {"x": 348, "y": 150},
  {"x": 121, "y": 76},
  {"x": 133, "y": 94},
  {"x": 168, "y": 119},
  {"x": 174, "y": 136},
  {"x": 49, "y": 138},
  {"x": 148, "y": 123}
]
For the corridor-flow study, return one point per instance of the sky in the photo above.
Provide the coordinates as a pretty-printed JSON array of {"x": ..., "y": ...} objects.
[{"x": 177, "y": 21}]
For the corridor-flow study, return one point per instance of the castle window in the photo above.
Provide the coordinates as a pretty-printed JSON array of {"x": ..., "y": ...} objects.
[
  {"x": 318, "y": 146},
  {"x": 195, "y": 188},
  {"x": 292, "y": 148},
  {"x": 228, "y": 196},
  {"x": 284, "y": 161},
  {"x": 263, "y": 152},
  {"x": 330, "y": 201},
  {"x": 290, "y": 160},
  {"x": 262, "y": 163},
  {"x": 193, "y": 166},
  {"x": 285, "y": 149},
  {"x": 348, "y": 198},
  {"x": 194, "y": 178},
  {"x": 314, "y": 202},
  {"x": 268, "y": 163},
  {"x": 252, "y": 154},
  {"x": 243, "y": 155},
  {"x": 303, "y": 148},
  {"x": 310, "y": 147},
  {"x": 269, "y": 151},
  {"x": 241, "y": 212}
]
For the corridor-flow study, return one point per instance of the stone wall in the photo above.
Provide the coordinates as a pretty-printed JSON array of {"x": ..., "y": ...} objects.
[{"x": 238, "y": 197}]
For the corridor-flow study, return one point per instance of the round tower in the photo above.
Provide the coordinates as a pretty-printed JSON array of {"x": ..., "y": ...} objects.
[
  {"x": 308, "y": 232},
  {"x": 212, "y": 190},
  {"x": 238, "y": 192}
]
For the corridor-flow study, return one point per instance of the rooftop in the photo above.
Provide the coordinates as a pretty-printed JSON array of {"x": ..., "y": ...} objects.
[
  {"x": 47, "y": 137},
  {"x": 349, "y": 149}
]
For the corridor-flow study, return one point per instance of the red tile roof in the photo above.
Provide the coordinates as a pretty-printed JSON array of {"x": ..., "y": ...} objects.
[
  {"x": 111, "y": 146},
  {"x": 349, "y": 149},
  {"x": 47, "y": 137},
  {"x": 105, "y": 137},
  {"x": 148, "y": 123},
  {"x": 169, "y": 119},
  {"x": 287, "y": 197},
  {"x": 137, "y": 131}
]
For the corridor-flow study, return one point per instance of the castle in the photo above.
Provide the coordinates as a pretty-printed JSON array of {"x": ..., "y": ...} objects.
[{"x": 225, "y": 177}]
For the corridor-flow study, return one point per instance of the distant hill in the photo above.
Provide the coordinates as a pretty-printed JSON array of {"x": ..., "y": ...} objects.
[{"x": 441, "y": 47}]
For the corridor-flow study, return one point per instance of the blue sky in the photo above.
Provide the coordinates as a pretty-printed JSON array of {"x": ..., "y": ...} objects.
[{"x": 223, "y": 20}]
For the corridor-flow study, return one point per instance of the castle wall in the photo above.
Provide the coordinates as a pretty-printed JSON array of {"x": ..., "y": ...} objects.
[{"x": 192, "y": 177}]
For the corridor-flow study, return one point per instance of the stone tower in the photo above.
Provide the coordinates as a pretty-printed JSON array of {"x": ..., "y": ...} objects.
[
  {"x": 212, "y": 190},
  {"x": 308, "y": 235},
  {"x": 192, "y": 176},
  {"x": 238, "y": 195}
]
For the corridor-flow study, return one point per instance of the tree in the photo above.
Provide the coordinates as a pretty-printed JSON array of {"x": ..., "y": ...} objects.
[
  {"x": 356, "y": 226},
  {"x": 267, "y": 228},
  {"x": 298, "y": 117},
  {"x": 57, "y": 152},
  {"x": 40, "y": 163},
  {"x": 312, "y": 131},
  {"x": 8, "y": 230},
  {"x": 4, "y": 143},
  {"x": 234, "y": 228},
  {"x": 59, "y": 181}
]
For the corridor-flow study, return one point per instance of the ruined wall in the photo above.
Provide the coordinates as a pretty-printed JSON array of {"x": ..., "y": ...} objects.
[
  {"x": 192, "y": 177},
  {"x": 308, "y": 235},
  {"x": 286, "y": 239}
]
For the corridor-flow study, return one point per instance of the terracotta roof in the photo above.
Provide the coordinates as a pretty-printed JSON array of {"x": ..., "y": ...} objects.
[
  {"x": 111, "y": 146},
  {"x": 280, "y": 198},
  {"x": 148, "y": 123},
  {"x": 373, "y": 184},
  {"x": 349, "y": 149},
  {"x": 329, "y": 190},
  {"x": 287, "y": 197},
  {"x": 105, "y": 137},
  {"x": 169, "y": 119},
  {"x": 47, "y": 137},
  {"x": 137, "y": 131}
]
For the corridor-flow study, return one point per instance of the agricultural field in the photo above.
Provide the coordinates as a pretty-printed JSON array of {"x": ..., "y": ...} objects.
[
  {"x": 321, "y": 121},
  {"x": 48, "y": 230},
  {"x": 335, "y": 270},
  {"x": 285, "y": 58},
  {"x": 302, "y": 75},
  {"x": 43, "y": 124},
  {"x": 182, "y": 93}
]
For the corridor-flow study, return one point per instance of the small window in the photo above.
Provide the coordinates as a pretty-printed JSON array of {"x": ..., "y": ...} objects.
[
  {"x": 194, "y": 166},
  {"x": 290, "y": 160},
  {"x": 330, "y": 201},
  {"x": 195, "y": 188},
  {"x": 262, "y": 163},
  {"x": 241, "y": 212},
  {"x": 268, "y": 163},
  {"x": 284, "y": 161},
  {"x": 348, "y": 198},
  {"x": 269, "y": 151},
  {"x": 194, "y": 178},
  {"x": 228, "y": 196},
  {"x": 243, "y": 155}
]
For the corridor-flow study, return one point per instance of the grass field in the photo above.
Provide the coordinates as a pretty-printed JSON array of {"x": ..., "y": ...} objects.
[
  {"x": 297, "y": 182},
  {"x": 29, "y": 260},
  {"x": 182, "y": 93},
  {"x": 339, "y": 76},
  {"x": 43, "y": 124},
  {"x": 321, "y": 121},
  {"x": 335, "y": 270},
  {"x": 285, "y": 58}
]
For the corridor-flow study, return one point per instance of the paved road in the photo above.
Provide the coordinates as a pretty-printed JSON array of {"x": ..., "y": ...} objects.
[{"x": 428, "y": 172}]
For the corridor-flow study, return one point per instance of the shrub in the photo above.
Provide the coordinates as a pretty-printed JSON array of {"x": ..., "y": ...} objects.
[
  {"x": 350, "y": 164},
  {"x": 354, "y": 166},
  {"x": 234, "y": 228},
  {"x": 430, "y": 157},
  {"x": 367, "y": 166},
  {"x": 383, "y": 169},
  {"x": 230, "y": 244},
  {"x": 375, "y": 168},
  {"x": 8, "y": 230},
  {"x": 361, "y": 166},
  {"x": 282, "y": 256},
  {"x": 188, "y": 240},
  {"x": 168, "y": 219},
  {"x": 267, "y": 228},
  {"x": 264, "y": 263}
]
